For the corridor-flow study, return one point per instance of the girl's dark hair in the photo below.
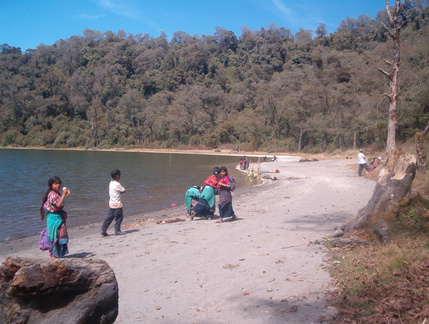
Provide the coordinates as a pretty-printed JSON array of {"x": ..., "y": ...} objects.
[
  {"x": 216, "y": 172},
  {"x": 222, "y": 168},
  {"x": 51, "y": 181}
]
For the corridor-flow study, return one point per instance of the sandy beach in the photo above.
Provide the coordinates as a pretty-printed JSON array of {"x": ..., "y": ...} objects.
[{"x": 265, "y": 267}]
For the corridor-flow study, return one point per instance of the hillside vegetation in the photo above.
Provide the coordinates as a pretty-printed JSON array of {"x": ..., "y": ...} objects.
[{"x": 266, "y": 90}]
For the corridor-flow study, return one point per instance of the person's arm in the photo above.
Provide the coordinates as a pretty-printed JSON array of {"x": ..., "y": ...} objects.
[
  {"x": 221, "y": 184},
  {"x": 121, "y": 189},
  {"x": 60, "y": 202},
  {"x": 224, "y": 183}
]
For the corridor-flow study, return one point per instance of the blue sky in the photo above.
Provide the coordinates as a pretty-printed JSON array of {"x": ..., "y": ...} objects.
[{"x": 28, "y": 23}]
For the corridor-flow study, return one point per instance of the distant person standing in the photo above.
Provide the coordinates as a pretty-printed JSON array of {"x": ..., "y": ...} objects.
[
  {"x": 362, "y": 162},
  {"x": 115, "y": 204},
  {"x": 244, "y": 163},
  {"x": 274, "y": 158}
]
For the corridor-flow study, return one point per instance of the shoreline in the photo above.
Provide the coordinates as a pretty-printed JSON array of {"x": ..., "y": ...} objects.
[
  {"x": 129, "y": 223},
  {"x": 222, "y": 152},
  {"x": 268, "y": 266},
  {"x": 92, "y": 211}
]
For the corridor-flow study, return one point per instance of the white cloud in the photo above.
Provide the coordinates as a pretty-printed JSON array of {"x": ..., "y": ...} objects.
[
  {"x": 297, "y": 17},
  {"x": 86, "y": 16},
  {"x": 285, "y": 10},
  {"x": 120, "y": 8}
]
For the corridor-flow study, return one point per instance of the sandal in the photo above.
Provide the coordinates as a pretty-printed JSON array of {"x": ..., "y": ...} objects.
[{"x": 233, "y": 217}]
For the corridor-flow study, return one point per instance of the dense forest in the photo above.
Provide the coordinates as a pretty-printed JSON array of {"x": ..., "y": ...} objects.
[{"x": 269, "y": 90}]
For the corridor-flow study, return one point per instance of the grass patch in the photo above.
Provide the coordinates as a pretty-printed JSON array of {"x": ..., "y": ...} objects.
[{"x": 386, "y": 283}]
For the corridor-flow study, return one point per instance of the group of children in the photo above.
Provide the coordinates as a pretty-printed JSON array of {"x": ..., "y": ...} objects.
[
  {"x": 53, "y": 210},
  {"x": 201, "y": 201}
]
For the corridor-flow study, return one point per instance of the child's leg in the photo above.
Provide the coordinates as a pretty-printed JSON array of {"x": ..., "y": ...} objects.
[
  {"x": 119, "y": 216},
  {"x": 221, "y": 211},
  {"x": 107, "y": 221}
]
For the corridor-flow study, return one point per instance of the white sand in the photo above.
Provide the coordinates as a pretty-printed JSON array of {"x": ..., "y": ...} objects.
[{"x": 262, "y": 268}]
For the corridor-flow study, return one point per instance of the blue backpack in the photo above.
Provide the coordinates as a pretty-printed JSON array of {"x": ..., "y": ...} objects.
[
  {"x": 233, "y": 183},
  {"x": 44, "y": 241}
]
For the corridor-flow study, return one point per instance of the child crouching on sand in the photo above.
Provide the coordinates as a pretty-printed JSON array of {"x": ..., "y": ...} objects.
[{"x": 207, "y": 202}]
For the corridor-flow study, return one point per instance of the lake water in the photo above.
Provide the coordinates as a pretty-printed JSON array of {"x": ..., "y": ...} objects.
[{"x": 153, "y": 181}]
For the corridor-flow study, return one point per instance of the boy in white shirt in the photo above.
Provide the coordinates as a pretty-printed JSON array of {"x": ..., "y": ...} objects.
[
  {"x": 115, "y": 204},
  {"x": 362, "y": 162}
]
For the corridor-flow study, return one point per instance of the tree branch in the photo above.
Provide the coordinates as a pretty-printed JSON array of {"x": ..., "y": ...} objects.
[
  {"x": 387, "y": 28},
  {"x": 386, "y": 74},
  {"x": 388, "y": 62},
  {"x": 388, "y": 11}
]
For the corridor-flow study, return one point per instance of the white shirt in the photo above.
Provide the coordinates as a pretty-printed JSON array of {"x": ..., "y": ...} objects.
[
  {"x": 361, "y": 158},
  {"x": 115, "y": 190}
]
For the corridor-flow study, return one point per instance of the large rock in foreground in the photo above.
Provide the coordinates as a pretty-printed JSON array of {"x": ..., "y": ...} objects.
[{"x": 57, "y": 291}]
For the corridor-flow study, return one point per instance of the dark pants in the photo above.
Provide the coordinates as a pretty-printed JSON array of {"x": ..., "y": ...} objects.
[
  {"x": 202, "y": 209},
  {"x": 114, "y": 214},
  {"x": 226, "y": 210},
  {"x": 361, "y": 166}
]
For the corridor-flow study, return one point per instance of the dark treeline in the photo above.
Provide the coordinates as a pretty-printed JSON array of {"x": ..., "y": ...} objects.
[{"x": 265, "y": 90}]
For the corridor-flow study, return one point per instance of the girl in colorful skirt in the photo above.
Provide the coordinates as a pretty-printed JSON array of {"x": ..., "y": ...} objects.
[{"x": 53, "y": 209}]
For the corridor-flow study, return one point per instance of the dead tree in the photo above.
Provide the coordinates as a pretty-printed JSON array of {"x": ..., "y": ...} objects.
[
  {"x": 394, "y": 182},
  {"x": 393, "y": 74}
]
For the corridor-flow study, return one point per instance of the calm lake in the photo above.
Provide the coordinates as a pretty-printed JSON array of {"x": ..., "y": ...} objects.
[{"x": 153, "y": 181}]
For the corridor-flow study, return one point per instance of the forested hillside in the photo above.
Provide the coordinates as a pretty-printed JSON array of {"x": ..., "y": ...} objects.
[{"x": 263, "y": 90}]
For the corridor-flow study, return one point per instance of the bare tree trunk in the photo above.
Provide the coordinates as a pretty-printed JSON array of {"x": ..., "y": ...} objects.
[
  {"x": 393, "y": 96},
  {"x": 301, "y": 134},
  {"x": 354, "y": 141},
  {"x": 391, "y": 192}
]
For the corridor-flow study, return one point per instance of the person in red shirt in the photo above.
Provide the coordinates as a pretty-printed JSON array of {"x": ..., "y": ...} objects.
[{"x": 206, "y": 204}]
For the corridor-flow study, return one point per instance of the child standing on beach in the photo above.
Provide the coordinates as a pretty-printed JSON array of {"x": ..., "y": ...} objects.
[
  {"x": 225, "y": 196},
  {"x": 53, "y": 208},
  {"x": 115, "y": 204}
]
